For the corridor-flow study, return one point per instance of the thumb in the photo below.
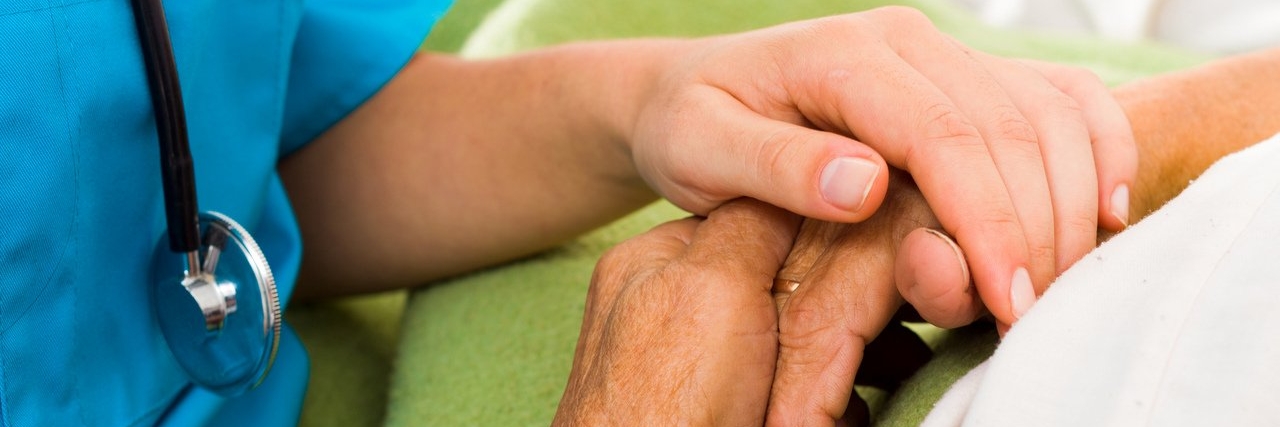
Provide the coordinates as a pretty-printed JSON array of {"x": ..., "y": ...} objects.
[
  {"x": 933, "y": 277},
  {"x": 817, "y": 174}
]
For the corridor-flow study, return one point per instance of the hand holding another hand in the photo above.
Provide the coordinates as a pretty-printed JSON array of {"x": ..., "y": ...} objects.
[
  {"x": 687, "y": 323},
  {"x": 1022, "y": 161}
]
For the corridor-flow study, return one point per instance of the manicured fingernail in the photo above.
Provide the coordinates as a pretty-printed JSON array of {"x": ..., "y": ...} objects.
[
  {"x": 1021, "y": 294},
  {"x": 964, "y": 267},
  {"x": 847, "y": 181},
  {"x": 1120, "y": 204}
]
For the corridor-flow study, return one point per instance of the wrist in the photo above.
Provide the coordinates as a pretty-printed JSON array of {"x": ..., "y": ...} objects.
[
  {"x": 1185, "y": 121},
  {"x": 616, "y": 81}
]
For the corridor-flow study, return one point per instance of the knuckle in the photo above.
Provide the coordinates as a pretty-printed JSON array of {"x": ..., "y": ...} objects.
[
  {"x": 946, "y": 133},
  {"x": 775, "y": 154},
  {"x": 804, "y": 327},
  {"x": 1084, "y": 223},
  {"x": 615, "y": 264},
  {"x": 812, "y": 322},
  {"x": 1064, "y": 106},
  {"x": 944, "y": 122},
  {"x": 601, "y": 294},
  {"x": 1043, "y": 251},
  {"x": 1011, "y": 126},
  {"x": 1004, "y": 217},
  {"x": 843, "y": 27},
  {"x": 742, "y": 213},
  {"x": 641, "y": 253},
  {"x": 613, "y": 257},
  {"x": 834, "y": 23},
  {"x": 904, "y": 16},
  {"x": 1076, "y": 237},
  {"x": 1000, "y": 220},
  {"x": 1073, "y": 80},
  {"x": 1081, "y": 78},
  {"x": 839, "y": 77}
]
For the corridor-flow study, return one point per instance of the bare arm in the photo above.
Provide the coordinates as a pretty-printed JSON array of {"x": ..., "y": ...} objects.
[
  {"x": 461, "y": 164},
  {"x": 456, "y": 164},
  {"x": 1187, "y": 120}
]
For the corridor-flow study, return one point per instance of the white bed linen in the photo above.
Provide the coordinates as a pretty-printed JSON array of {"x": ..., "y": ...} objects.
[
  {"x": 1175, "y": 322},
  {"x": 1210, "y": 26}
]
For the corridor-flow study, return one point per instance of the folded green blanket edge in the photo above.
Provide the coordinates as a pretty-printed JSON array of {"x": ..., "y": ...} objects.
[{"x": 495, "y": 347}]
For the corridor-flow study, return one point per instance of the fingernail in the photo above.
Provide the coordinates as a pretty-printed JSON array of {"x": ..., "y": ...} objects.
[
  {"x": 964, "y": 267},
  {"x": 847, "y": 181},
  {"x": 1120, "y": 204},
  {"x": 1021, "y": 294}
]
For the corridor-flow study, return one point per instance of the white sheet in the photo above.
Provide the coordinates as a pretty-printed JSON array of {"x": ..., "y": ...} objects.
[
  {"x": 1174, "y": 322},
  {"x": 1211, "y": 26}
]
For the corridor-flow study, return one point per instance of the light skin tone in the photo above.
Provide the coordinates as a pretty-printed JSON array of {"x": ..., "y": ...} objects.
[
  {"x": 853, "y": 277},
  {"x": 459, "y": 164},
  {"x": 456, "y": 164}
]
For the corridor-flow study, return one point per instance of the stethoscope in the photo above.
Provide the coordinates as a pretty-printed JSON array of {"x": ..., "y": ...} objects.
[{"x": 223, "y": 334}]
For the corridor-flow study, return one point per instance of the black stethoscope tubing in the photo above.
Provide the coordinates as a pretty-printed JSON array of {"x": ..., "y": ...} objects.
[
  {"x": 177, "y": 169},
  {"x": 224, "y": 353}
]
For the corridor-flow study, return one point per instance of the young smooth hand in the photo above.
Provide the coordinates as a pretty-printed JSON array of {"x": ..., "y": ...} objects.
[
  {"x": 1022, "y": 161},
  {"x": 492, "y": 160},
  {"x": 842, "y": 282}
]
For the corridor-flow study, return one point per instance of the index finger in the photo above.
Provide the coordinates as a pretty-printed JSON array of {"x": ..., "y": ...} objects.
[
  {"x": 744, "y": 238},
  {"x": 885, "y": 101},
  {"x": 916, "y": 127},
  {"x": 844, "y": 297},
  {"x": 839, "y": 307}
]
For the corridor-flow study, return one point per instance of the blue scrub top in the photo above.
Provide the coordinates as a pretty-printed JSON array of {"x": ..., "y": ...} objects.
[{"x": 80, "y": 195}]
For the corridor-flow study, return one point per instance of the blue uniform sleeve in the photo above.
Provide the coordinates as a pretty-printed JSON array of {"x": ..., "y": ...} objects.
[{"x": 345, "y": 51}]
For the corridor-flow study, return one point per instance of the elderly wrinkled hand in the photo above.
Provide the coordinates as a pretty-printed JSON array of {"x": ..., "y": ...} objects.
[
  {"x": 680, "y": 326},
  {"x": 840, "y": 288},
  {"x": 724, "y": 318}
]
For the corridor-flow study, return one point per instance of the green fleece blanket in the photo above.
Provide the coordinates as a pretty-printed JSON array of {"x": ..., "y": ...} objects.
[{"x": 495, "y": 347}]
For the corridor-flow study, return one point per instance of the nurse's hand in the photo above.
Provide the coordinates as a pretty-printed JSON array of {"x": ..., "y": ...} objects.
[
  {"x": 1022, "y": 161},
  {"x": 680, "y": 326}
]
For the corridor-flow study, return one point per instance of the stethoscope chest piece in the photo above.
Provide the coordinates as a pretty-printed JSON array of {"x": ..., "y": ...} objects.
[{"x": 221, "y": 320}]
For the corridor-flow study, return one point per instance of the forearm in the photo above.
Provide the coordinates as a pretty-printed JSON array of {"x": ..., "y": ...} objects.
[
  {"x": 1185, "y": 121},
  {"x": 459, "y": 164}
]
